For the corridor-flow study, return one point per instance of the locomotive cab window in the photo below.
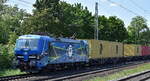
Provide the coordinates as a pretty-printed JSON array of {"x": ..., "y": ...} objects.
[
  {"x": 100, "y": 49},
  {"x": 49, "y": 47},
  {"x": 27, "y": 43},
  {"x": 52, "y": 50}
]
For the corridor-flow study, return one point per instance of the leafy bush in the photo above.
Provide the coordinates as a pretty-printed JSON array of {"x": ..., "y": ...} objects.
[
  {"x": 9, "y": 72},
  {"x": 6, "y": 56}
]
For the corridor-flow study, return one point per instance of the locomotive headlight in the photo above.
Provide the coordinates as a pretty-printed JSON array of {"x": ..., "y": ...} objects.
[
  {"x": 19, "y": 56},
  {"x": 32, "y": 57}
]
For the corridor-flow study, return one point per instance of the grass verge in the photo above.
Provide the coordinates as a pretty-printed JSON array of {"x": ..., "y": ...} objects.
[
  {"x": 123, "y": 73},
  {"x": 8, "y": 72}
]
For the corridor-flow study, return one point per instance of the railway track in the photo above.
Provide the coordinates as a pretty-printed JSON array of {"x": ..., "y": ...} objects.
[
  {"x": 77, "y": 75},
  {"x": 96, "y": 73},
  {"x": 142, "y": 76},
  {"x": 15, "y": 77}
]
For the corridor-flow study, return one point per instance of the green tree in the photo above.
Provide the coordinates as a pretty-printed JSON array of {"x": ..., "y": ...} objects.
[
  {"x": 112, "y": 29},
  {"x": 118, "y": 30},
  {"x": 77, "y": 20},
  {"x": 3, "y": 34},
  {"x": 11, "y": 18},
  {"x": 145, "y": 37},
  {"x": 45, "y": 18},
  {"x": 137, "y": 25},
  {"x": 11, "y": 21},
  {"x": 60, "y": 19},
  {"x": 104, "y": 29}
]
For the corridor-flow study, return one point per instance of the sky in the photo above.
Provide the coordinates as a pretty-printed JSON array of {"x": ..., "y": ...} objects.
[{"x": 123, "y": 9}]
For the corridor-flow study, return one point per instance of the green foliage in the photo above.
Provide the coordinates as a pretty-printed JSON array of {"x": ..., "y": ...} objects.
[
  {"x": 53, "y": 5},
  {"x": 4, "y": 60},
  {"x": 2, "y": 5},
  {"x": 9, "y": 72},
  {"x": 9, "y": 25},
  {"x": 6, "y": 56},
  {"x": 145, "y": 37},
  {"x": 112, "y": 29},
  {"x": 4, "y": 31},
  {"x": 77, "y": 20},
  {"x": 137, "y": 29},
  {"x": 60, "y": 19},
  {"x": 12, "y": 38},
  {"x": 118, "y": 30},
  {"x": 10, "y": 21}
]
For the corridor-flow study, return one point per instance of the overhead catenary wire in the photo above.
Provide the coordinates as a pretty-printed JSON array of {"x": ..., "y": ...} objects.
[
  {"x": 123, "y": 7},
  {"x": 138, "y": 6},
  {"x": 20, "y": 3},
  {"x": 26, "y": 2}
]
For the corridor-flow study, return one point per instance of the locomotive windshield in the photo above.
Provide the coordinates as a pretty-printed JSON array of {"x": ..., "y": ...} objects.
[{"x": 27, "y": 43}]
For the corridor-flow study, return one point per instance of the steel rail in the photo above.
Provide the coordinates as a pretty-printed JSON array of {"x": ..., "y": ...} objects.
[
  {"x": 75, "y": 74},
  {"x": 101, "y": 72},
  {"x": 141, "y": 76}
]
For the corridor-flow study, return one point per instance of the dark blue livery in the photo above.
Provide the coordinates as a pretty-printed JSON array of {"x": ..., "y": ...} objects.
[{"x": 34, "y": 52}]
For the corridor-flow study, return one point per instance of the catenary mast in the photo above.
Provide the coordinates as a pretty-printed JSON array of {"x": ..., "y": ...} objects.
[{"x": 96, "y": 22}]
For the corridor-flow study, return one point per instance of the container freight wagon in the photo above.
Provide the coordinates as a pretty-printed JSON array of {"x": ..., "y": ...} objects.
[
  {"x": 116, "y": 49},
  {"x": 104, "y": 51},
  {"x": 132, "y": 51},
  {"x": 145, "y": 52}
]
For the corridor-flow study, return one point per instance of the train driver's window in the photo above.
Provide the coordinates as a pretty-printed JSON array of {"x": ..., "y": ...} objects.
[
  {"x": 49, "y": 47},
  {"x": 52, "y": 50}
]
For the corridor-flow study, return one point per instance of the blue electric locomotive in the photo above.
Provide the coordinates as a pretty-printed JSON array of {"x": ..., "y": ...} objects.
[{"x": 34, "y": 52}]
